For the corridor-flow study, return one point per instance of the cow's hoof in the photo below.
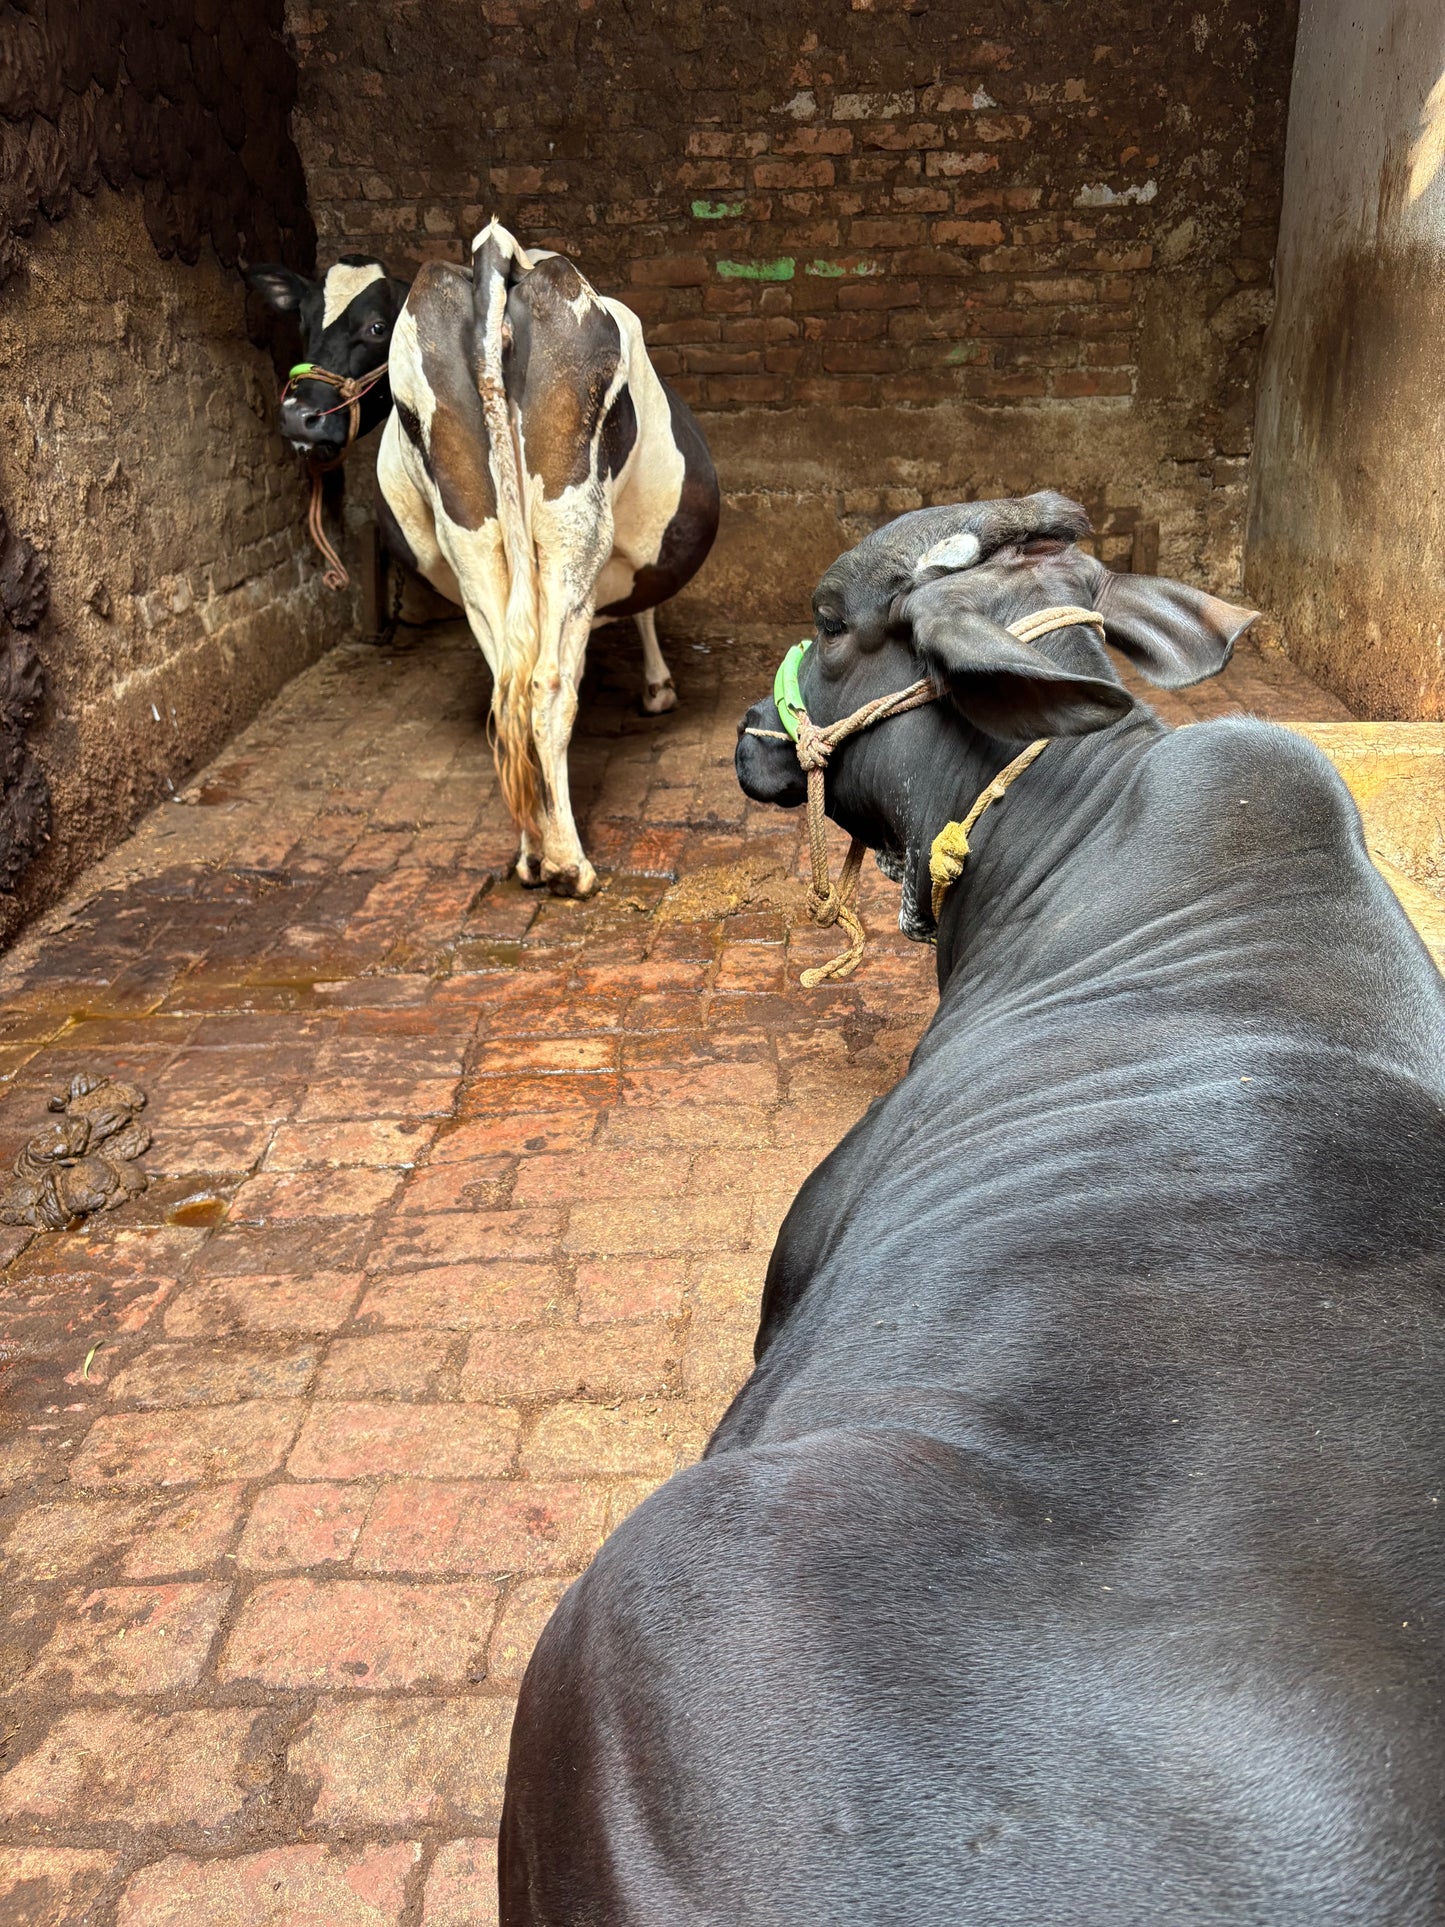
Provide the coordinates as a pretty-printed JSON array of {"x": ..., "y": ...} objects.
[
  {"x": 659, "y": 698},
  {"x": 529, "y": 872},
  {"x": 578, "y": 882}
]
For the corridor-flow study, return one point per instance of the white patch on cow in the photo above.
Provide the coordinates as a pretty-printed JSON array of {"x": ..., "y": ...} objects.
[
  {"x": 648, "y": 489},
  {"x": 406, "y": 497},
  {"x": 658, "y": 693},
  {"x": 512, "y": 249},
  {"x": 343, "y": 285},
  {"x": 959, "y": 551}
]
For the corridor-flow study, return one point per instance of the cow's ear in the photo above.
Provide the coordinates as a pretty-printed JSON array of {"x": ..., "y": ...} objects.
[
  {"x": 1002, "y": 685},
  {"x": 278, "y": 287},
  {"x": 1173, "y": 634}
]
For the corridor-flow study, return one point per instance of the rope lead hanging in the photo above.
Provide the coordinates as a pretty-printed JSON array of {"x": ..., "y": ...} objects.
[
  {"x": 353, "y": 390},
  {"x": 828, "y": 904}
]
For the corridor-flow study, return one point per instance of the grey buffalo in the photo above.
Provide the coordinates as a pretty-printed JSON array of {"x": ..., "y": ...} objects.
[{"x": 1074, "y": 1555}]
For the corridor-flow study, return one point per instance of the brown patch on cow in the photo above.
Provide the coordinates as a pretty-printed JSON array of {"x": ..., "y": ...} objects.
[
  {"x": 441, "y": 305},
  {"x": 570, "y": 368}
]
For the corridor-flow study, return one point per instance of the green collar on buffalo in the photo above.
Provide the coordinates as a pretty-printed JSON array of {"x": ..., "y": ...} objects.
[{"x": 786, "y": 693}]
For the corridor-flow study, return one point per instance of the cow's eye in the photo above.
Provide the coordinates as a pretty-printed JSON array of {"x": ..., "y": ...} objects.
[
  {"x": 376, "y": 328},
  {"x": 830, "y": 625}
]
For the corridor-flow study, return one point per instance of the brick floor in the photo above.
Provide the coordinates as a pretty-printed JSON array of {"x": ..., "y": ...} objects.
[{"x": 462, "y": 1201}]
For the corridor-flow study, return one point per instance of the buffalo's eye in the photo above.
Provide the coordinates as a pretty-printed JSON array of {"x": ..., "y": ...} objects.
[{"x": 830, "y": 625}]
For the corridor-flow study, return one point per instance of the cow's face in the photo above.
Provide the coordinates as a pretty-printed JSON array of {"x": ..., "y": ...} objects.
[
  {"x": 346, "y": 321},
  {"x": 932, "y": 595}
]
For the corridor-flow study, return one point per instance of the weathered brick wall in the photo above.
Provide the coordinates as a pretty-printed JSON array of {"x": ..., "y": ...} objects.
[
  {"x": 971, "y": 247},
  {"x": 137, "y": 452},
  {"x": 144, "y": 150}
]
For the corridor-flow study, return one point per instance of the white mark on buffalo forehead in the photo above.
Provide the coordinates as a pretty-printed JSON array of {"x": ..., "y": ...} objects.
[
  {"x": 958, "y": 551},
  {"x": 343, "y": 285}
]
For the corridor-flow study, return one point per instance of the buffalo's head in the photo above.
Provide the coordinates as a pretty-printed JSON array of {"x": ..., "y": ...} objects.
[
  {"x": 931, "y": 594},
  {"x": 345, "y": 321}
]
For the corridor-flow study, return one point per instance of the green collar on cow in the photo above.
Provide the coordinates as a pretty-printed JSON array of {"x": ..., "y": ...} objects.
[
  {"x": 786, "y": 693},
  {"x": 301, "y": 368}
]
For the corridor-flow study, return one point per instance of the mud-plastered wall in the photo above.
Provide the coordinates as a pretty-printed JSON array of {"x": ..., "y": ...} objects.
[
  {"x": 1347, "y": 512},
  {"x": 138, "y": 456},
  {"x": 144, "y": 152},
  {"x": 892, "y": 252}
]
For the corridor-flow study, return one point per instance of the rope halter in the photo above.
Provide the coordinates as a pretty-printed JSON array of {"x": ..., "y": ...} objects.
[
  {"x": 353, "y": 390},
  {"x": 828, "y": 903}
]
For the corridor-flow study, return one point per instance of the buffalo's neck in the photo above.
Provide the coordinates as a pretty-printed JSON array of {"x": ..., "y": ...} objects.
[{"x": 1026, "y": 839}]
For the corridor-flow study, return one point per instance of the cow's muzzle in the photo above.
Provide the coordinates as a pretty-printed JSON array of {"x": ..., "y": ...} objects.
[{"x": 310, "y": 428}]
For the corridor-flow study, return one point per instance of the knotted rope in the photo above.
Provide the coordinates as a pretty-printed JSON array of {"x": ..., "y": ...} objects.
[
  {"x": 949, "y": 850},
  {"x": 828, "y": 904},
  {"x": 353, "y": 390}
]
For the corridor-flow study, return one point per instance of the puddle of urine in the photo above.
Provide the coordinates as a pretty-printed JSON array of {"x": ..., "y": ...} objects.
[{"x": 197, "y": 1211}]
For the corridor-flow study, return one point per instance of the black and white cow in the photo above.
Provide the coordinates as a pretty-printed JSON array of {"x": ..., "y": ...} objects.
[
  {"x": 346, "y": 321},
  {"x": 542, "y": 474},
  {"x": 1075, "y": 1554}
]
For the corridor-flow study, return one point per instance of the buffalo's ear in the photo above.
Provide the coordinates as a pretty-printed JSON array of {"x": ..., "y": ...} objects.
[
  {"x": 1002, "y": 685},
  {"x": 279, "y": 288},
  {"x": 1173, "y": 634}
]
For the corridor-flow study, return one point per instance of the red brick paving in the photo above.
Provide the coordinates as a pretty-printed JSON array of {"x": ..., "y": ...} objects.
[{"x": 462, "y": 1202}]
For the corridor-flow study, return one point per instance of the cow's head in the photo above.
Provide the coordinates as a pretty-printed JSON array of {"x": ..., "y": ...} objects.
[
  {"x": 931, "y": 594},
  {"x": 346, "y": 321}
]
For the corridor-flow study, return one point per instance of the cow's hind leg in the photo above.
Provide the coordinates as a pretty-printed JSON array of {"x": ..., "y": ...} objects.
[
  {"x": 658, "y": 692},
  {"x": 565, "y": 869}
]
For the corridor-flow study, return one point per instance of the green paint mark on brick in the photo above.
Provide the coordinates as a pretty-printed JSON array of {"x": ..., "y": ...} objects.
[
  {"x": 716, "y": 210},
  {"x": 965, "y": 351},
  {"x": 780, "y": 270}
]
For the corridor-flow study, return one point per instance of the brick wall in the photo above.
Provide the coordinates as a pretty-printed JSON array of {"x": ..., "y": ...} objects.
[{"x": 1051, "y": 227}]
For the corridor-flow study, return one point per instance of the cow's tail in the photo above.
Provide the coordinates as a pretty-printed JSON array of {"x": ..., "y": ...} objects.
[{"x": 497, "y": 259}]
